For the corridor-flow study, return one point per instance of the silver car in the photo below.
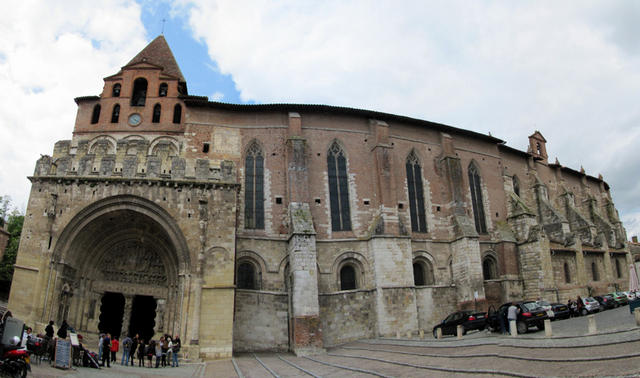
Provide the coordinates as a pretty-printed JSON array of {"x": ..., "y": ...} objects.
[{"x": 590, "y": 306}]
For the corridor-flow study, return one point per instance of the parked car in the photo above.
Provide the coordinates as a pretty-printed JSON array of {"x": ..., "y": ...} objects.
[
  {"x": 630, "y": 294},
  {"x": 606, "y": 301},
  {"x": 529, "y": 315},
  {"x": 590, "y": 306},
  {"x": 560, "y": 311},
  {"x": 547, "y": 307},
  {"x": 620, "y": 298},
  {"x": 469, "y": 320}
]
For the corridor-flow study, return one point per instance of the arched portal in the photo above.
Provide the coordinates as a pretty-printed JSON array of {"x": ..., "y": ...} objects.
[{"x": 123, "y": 259}]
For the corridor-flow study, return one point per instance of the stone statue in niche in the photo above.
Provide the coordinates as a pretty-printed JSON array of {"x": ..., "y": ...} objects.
[{"x": 133, "y": 263}]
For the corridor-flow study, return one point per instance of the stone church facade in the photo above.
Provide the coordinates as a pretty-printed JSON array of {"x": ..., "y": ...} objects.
[{"x": 294, "y": 227}]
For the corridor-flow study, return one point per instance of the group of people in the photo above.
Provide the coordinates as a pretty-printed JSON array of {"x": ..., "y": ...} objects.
[
  {"x": 164, "y": 350},
  {"x": 575, "y": 306}
]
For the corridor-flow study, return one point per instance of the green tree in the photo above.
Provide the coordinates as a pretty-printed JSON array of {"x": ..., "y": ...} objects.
[{"x": 14, "y": 227}]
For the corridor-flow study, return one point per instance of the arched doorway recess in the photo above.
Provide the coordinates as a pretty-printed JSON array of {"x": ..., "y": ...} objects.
[{"x": 122, "y": 261}]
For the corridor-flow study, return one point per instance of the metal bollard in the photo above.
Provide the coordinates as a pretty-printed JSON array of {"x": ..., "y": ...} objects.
[
  {"x": 547, "y": 328},
  {"x": 513, "y": 328},
  {"x": 421, "y": 333},
  {"x": 459, "y": 331},
  {"x": 592, "y": 324},
  {"x": 439, "y": 333},
  {"x": 636, "y": 313},
  {"x": 397, "y": 334}
]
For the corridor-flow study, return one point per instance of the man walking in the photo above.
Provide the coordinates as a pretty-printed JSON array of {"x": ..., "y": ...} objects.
[
  {"x": 106, "y": 348},
  {"x": 512, "y": 316}
]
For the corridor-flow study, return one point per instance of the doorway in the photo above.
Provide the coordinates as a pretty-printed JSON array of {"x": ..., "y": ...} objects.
[
  {"x": 111, "y": 311},
  {"x": 143, "y": 315}
]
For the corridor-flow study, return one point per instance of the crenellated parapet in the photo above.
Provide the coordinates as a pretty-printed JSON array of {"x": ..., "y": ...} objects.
[{"x": 132, "y": 157}]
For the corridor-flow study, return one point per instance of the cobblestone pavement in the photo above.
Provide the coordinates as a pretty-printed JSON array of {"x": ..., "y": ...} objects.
[{"x": 613, "y": 351}]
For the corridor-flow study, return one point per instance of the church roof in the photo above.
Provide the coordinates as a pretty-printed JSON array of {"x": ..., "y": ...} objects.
[{"x": 158, "y": 53}]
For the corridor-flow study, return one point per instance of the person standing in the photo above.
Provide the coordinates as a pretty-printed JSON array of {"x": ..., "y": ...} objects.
[
  {"x": 134, "y": 346},
  {"x": 48, "y": 330},
  {"x": 169, "y": 349},
  {"x": 62, "y": 331},
  {"x": 158, "y": 351},
  {"x": 100, "y": 343},
  {"x": 176, "y": 349},
  {"x": 141, "y": 350},
  {"x": 126, "y": 350},
  {"x": 115, "y": 345},
  {"x": 580, "y": 305},
  {"x": 106, "y": 347}
]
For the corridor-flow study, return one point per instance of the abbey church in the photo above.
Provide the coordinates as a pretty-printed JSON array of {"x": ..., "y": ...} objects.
[{"x": 276, "y": 227}]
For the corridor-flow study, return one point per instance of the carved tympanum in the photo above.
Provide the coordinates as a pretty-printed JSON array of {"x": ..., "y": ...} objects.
[{"x": 133, "y": 264}]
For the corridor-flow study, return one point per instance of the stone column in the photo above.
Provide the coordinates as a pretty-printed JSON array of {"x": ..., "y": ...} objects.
[
  {"x": 159, "y": 320},
  {"x": 126, "y": 317},
  {"x": 306, "y": 327}
]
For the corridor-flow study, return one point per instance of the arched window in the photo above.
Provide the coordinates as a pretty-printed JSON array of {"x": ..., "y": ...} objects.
[
  {"x": 162, "y": 91},
  {"x": 422, "y": 273},
  {"x": 115, "y": 114},
  {"x": 254, "y": 188},
  {"x": 416, "y": 194},
  {"x": 538, "y": 149},
  {"x": 338, "y": 188},
  {"x": 246, "y": 278},
  {"x": 618, "y": 270},
  {"x": 177, "y": 113},
  {"x": 156, "y": 113},
  {"x": 476, "y": 199},
  {"x": 594, "y": 271},
  {"x": 516, "y": 185},
  {"x": 489, "y": 268},
  {"x": 567, "y": 273},
  {"x": 115, "y": 92},
  {"x": 348, "y": 278},
  {"x": 139, "y": 95},
  {"x": 95, "y": 116}
]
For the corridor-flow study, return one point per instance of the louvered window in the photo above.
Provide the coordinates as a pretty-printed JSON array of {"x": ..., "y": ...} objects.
[
  {"x": 338, "y": 189},
  {"x": 416, "y": 194},
  {"x": 156, "y": 113},
  {"x": 254, "y": 188},
  {"x": 476, "y": 199},
  {"x": 115, "y": 115}
]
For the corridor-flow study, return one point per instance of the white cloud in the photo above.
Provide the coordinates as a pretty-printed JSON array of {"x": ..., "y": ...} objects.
[
  {"x": 217, "y": 96},
  {"x": 569, "y": 70},
  {"x": 51, "y": 52}
]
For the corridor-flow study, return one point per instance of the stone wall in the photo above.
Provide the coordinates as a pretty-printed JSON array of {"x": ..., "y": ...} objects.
[
  {"x": 434, "y": 303},
  {"x": 269, "y": 330},
  {"x": 347, "y": 316}
]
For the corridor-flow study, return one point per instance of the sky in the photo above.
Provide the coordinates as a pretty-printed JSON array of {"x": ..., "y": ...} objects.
[{"x": 569, "y": 69}]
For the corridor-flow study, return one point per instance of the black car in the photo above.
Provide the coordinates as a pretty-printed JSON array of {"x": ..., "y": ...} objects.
[
  {"x": 529, "y": 315},
  {"x": 469, "y": 320},
  {"x": 560, "y": 311},
  {"x": 606, "y": 301}
]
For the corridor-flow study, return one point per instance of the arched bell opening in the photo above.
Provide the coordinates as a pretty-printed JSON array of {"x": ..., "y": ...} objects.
[{"x": 124, "y": 259}]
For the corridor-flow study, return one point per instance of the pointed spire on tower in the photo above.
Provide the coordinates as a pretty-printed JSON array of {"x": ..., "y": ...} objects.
[{"x": 158, "y": 53}]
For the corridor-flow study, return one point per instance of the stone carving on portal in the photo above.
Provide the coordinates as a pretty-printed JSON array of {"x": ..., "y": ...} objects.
[{"x": 133, "y": 264}]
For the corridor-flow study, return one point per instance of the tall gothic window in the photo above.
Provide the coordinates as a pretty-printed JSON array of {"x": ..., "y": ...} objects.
[
  {"x": 516, "y": 185},
  {"x": 156, "y": 113},
  {"x": 177, "y": 113},
  {"x": 115, "y": 115},
  {"x": 618, "y": 270},
  {"x": 567, "y": 273},
  {"x": 338, "y": 188},
  {"x": 476, "y": 199},
  {"x": 139, "y": 95},
  {"x": 416, "y": 194},
  {"x": 95, "y": 116},
  {"x": 254, "y": 188}
]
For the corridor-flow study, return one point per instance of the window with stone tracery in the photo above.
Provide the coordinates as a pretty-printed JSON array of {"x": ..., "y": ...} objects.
[
  {"x": 416, "y": 194},
  {"x": 338, "y": 188},
  {"x": 476, "y": 199},
  {"x": 254, "y": 188}
]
